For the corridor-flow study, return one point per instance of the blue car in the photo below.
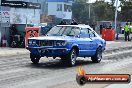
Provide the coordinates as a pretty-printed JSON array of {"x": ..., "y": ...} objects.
[{"x": 67, "y": 42}]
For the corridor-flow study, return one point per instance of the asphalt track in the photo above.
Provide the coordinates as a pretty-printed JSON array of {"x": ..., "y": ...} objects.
[{"x": 18, "y": 72}]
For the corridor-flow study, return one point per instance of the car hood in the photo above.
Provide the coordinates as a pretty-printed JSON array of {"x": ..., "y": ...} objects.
[{"x": 53, "y": 38}]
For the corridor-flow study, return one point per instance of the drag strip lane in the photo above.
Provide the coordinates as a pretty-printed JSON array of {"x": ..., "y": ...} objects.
[{"x": 20, "y": 73}]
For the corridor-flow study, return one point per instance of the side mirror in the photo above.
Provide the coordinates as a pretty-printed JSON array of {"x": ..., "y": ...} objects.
[
  {"x": 90, "y": 37},
  {"x": 78, "y": 36}
]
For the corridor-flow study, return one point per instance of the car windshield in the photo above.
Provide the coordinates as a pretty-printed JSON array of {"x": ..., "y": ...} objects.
[{"x": 64, "y": 30}]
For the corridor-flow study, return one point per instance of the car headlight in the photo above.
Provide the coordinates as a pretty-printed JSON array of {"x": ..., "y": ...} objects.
[
  {"x": 60, "y": 43},
  {"x": 34, "y": 42},
  {"x": 29, "y": 41}
]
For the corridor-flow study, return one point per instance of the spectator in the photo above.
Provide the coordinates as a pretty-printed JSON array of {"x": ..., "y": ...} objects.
[
  {"x": 101, "y": 27},
  {"x": 93, "y": 26},
  {"x": 13, "y": 30},
  {"x": 104, "y": 25},
  {"x": 74, "y": 22},
  {"x": 118, "y": 31},
  {"x": 62, "y": 22},
  {"x": 110, "y": 26},
  {"x": 127, "y": 32}
]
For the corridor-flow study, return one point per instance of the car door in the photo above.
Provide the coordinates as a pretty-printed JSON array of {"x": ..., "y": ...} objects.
[
  {"x": 93, "y": 43},
  {"x": 84, "y": 43}
]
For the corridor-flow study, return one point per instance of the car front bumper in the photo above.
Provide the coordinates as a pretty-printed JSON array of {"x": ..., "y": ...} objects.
[{"x": 50, "y": 52}]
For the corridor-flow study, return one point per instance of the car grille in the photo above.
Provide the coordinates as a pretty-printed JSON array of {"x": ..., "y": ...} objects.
[{"x": 45, "y": 42}]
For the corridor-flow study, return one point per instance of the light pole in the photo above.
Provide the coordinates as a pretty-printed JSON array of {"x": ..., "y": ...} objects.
[
  {"x": 116, "y": 19},
  {"x": 26, "y": 21},
  {"x": 116, "y": 14},
  {"x": 89, "y": 9}
]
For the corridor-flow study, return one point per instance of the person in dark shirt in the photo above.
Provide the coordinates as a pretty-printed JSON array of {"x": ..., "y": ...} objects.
[
  {"x": 62, "y": 23},
  {"x": 93, "y": 26},
  {"x": 101, "y": 27},
  {"x": 74, "y": 22},
  {"x": 110, "y": 26}
]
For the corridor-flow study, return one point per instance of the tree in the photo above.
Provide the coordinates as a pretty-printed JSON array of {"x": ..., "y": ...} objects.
[
  {"x": 100, "y": 10},
  {"x": 112, "y": 2},
  {"x": 103, "y": 10},
  {"x": 80, "y": 1},
  {"x": 80, "y": 12},
  {"x": 126, "y": 10}
]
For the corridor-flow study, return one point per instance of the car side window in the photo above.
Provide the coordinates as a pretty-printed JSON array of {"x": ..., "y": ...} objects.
[
  {"x": 71, "y": 31},
  {"x": 84, "y": 33},
  {"x": 75, "y": 31}
]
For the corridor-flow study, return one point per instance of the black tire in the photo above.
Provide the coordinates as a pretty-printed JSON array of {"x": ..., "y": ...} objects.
[
  {"x": 98, "y": 56},
  {"x": 81, "y": 80},
  {"x": 35, "y": 58},
  {"x": 71, "y": 57}
]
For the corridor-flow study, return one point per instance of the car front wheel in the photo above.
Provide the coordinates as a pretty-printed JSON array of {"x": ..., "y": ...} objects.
[
  {"x": 98, "y": 56},
  {"x": 35, "y": 58},
  {"x": 71, "y": 58}
]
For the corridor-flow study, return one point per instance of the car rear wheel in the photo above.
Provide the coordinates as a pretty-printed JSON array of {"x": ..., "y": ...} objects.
[
  {"x": 71, "y": 58},
  {"x": 98, "y": 56},
  {"x": 35, "y": 58}
]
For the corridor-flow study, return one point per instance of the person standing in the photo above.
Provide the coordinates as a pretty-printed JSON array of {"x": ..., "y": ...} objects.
[
  {"x": 126, "y": 32},
  {"x": 93, "y": 26},
  {"x": 62, "y": 22},
  {"x": 74, "y": 22},
  {"x": 101, "y": 28},
  {"x": 110, "y": 26}
]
